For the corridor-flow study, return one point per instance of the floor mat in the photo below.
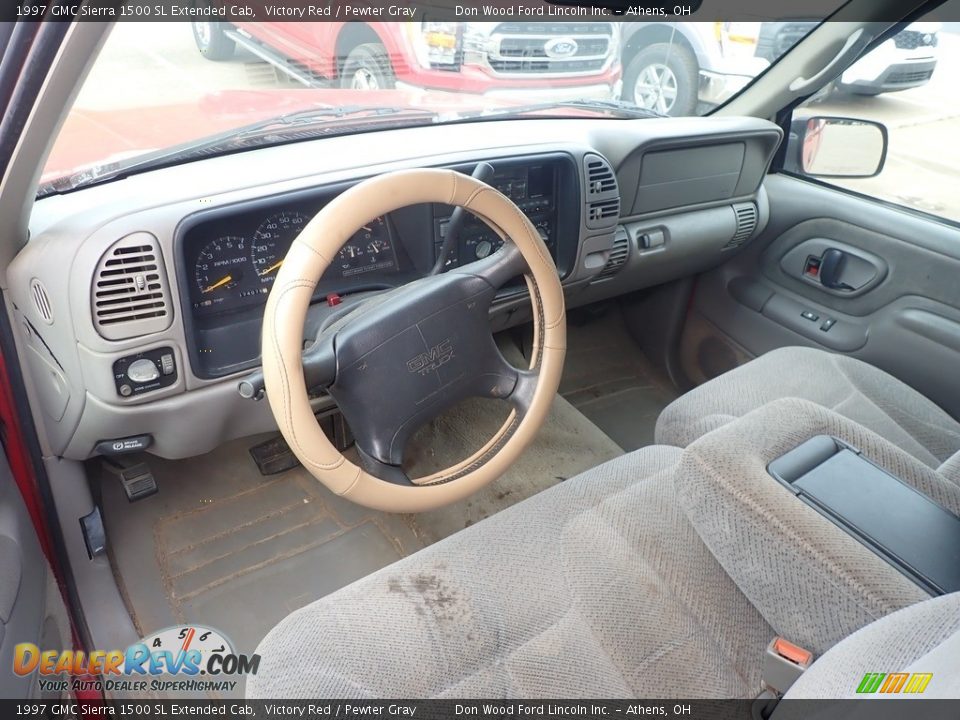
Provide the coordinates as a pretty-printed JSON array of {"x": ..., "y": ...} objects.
[
  {"x": 608, "y": 378},
  {"x": 566, "y": 445},
  {"x": 222, "y": 545}
]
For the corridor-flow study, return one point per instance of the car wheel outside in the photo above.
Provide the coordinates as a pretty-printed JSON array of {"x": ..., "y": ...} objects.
[
  {"x": 663, "y": 78},
  {"x": 367, "y": 67},
  {"x": 212, "y": 42}
]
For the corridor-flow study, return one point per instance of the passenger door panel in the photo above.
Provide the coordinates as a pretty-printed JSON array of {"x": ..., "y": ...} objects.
[{"x": 898, "y": 306}]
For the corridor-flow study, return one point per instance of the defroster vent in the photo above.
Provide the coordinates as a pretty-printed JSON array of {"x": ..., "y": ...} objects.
[
  {"x": 130, "y": 293},
  {"x": 41, "y": 301}
]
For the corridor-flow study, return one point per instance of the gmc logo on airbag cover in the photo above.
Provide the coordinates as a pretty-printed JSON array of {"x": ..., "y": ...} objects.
[{"x": 427, "y": 362}]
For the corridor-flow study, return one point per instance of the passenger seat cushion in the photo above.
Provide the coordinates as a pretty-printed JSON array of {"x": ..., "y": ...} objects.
[
  {"x": 598, "y": 587},
  {"x": 812, "y": 582},
  {"x": 846, "y": 385},
  {"x": 920, "y": 638}
]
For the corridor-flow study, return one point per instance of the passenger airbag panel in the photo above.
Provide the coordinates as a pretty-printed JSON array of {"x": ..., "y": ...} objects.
[{"x": 673, "y": 178}]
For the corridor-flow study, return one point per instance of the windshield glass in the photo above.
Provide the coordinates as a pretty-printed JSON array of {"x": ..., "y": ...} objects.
[{"x": 158, "y": 87}]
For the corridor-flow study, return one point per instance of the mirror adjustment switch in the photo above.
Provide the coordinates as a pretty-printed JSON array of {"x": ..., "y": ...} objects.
[
  {"x": 142, "y": 371},
  {"x": 145, "y": 371}
]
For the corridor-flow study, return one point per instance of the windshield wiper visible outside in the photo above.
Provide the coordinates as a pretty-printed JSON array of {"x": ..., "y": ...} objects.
[
  {"x": 314, "y": 122},
  {"x": 240, "y": 138},
  {"x": 620, "y": 108}
]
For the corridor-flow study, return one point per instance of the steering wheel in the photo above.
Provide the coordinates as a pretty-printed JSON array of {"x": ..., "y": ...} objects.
[{"x": 405, "y": 356}]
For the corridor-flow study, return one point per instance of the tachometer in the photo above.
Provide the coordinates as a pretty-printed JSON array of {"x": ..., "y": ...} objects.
[
  {"x": 220, "y": 269},
  {"x": 271, "y": 242}
]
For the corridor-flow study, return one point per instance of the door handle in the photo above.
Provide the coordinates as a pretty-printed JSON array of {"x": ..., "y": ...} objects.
[{"x": 831, "y": 269}]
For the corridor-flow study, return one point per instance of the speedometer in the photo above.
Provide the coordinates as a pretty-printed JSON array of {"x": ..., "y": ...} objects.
[{"x": 271, "y": 242}]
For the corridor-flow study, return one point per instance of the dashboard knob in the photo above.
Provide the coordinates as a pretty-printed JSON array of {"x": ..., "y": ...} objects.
[{"x": 142, "y": 371}]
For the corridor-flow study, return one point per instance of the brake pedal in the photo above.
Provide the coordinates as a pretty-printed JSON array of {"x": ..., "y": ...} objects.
[
  {"x": 273, "y": 456},
  {"x": 136, "y": 478}
]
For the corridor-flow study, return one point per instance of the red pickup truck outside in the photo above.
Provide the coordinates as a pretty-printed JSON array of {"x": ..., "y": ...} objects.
[{"x": 581, "y": 59}]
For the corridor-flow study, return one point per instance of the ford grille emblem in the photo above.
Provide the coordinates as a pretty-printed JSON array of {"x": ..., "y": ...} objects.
[{"x": 560, "y": 47}]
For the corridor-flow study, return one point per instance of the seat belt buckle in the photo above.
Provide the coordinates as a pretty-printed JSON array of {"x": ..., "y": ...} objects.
[{"x": 783, "y": 663}]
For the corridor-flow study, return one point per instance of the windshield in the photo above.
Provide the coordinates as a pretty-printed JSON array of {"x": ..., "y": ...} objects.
[{"x": 157, "y": 88}]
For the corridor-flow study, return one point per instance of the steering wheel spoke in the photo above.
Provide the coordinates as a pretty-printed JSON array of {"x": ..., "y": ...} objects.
[
  {"x": 320, "y": 363},
  {"x": 521, "y": 396},
  {"x": 393, "y": 474},
  {"x": 497, "y": 269}
]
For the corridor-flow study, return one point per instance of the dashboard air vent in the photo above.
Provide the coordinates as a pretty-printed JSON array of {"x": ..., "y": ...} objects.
[
  {"x": 604, "y": 209},
  {"x": 602, "y": 192},
  {"x": 600, "y": 177},
  {"x": 130, "y": 296},
  {"x": 618, "y": 256},
  {"x": 41, "y": 301},
  {"x": 747, "y": 217}
]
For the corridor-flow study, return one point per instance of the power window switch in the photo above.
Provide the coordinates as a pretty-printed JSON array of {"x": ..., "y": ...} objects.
[
  {"x": 166, "y": 364},
  {"x": 808, "y": 315},
  {"x": 827, "y": 324}
]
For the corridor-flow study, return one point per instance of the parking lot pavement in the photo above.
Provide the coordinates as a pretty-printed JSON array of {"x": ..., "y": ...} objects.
[{"x": 149, "y": 64}]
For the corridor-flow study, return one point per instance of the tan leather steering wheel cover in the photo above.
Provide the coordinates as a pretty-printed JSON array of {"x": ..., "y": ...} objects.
[{"x": 285, "y": 315}]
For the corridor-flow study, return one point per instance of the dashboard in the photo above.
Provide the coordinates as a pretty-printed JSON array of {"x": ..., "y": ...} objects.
[
  {"x": 228, "y": 258},
  {"x": 139, "y": 302}
]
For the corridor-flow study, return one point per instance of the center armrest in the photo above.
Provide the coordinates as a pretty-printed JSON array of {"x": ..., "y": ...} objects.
[{"x": 811, "y": 579}]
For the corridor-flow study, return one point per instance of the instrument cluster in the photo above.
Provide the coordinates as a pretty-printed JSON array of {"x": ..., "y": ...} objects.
[
  {"x": 236, "y": 269},
  {"x": 228, "y": 257}
]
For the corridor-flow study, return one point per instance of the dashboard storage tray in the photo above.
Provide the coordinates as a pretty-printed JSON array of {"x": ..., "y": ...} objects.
[{"x": 902, "y": 525}]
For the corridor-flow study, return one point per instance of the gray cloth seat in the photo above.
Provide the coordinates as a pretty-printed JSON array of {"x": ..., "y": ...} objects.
[
  {"x": 849, "y": 387},
  {"x": 598, "y": 587}
]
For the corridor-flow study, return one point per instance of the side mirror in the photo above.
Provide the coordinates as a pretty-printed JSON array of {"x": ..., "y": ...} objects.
[{"x": 838, "y": 147}]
